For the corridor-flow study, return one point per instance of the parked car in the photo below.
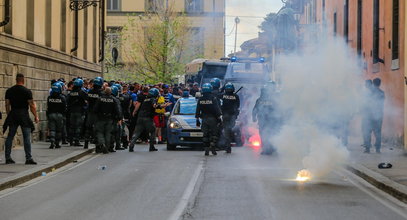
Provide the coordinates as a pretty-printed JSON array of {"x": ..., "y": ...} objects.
[{"x": 182, "y": 129}]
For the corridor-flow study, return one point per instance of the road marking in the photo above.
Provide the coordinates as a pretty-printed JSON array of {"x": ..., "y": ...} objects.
[
  {"x": 50, "y": 175},
  {"x": 186, "y": 196},
  {"x": 382, "y": 197}
]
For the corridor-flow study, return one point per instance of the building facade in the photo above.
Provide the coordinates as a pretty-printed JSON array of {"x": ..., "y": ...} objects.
[
  {"x": 206, "y": 20},
  {"x": 48, "y": 39},
  {"x": 375, "y": 29}
]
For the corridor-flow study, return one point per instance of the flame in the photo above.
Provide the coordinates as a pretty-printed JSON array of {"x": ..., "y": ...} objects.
[
  {"x": 256, "y": 143},
  {"x": 303, "y": 176}
]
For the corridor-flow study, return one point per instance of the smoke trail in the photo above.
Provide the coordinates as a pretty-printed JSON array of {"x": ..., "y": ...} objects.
[{"x": 321, "y": 92}]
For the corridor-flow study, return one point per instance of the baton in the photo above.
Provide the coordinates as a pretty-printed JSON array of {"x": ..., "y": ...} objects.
[{"x": 239, "y": 89}]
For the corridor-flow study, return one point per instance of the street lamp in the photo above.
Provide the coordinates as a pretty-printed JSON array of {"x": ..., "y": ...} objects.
[{"x": 237, "y": 21}]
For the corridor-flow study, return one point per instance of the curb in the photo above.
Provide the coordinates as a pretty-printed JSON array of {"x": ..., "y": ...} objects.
[
  {"x": 36, "y": 172},
  {"x": 381, "y": 182}
]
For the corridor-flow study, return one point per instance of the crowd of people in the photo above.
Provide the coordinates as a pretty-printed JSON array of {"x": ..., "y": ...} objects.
[{"x": 116, "y": 115}]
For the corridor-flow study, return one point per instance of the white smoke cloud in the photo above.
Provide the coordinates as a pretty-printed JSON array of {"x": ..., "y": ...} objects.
[{"x": 321, "y": 91}]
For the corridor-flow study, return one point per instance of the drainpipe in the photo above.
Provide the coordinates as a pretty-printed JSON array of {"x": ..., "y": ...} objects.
[
  {"x": 76, "y": 17},
  {"x": 102, "y": 32},
  {"x": 6, "y": 14}
]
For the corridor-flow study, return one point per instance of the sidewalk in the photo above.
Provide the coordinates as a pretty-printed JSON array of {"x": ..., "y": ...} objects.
[
  {"x": 392, "y": 181},
  {"x": 47, "y": 159}
]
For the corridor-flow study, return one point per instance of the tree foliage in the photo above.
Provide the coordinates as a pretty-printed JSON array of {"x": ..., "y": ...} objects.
[{"x": 154, "y": 46}]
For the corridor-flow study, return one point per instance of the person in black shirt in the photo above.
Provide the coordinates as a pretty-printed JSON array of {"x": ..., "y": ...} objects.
[
  {"x": 55, "y": 113},
  {"x": 230, "y": 110},
  {"x": 76, "y": 105},
  {"x": 145, "y": 118},
  {"x": 18, "y": 100},
  {"x": 208, "y": 109}
]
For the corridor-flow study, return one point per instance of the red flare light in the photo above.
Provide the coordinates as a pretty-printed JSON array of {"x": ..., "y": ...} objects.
[{"x": 254, "y": 140}]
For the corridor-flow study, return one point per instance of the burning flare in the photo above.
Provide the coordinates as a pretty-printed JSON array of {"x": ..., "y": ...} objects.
[{"x": 303, "y": 176}]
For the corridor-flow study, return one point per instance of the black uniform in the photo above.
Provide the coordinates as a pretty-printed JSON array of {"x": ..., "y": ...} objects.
[
  {"x": 145, "y": 121},
  {"x": 56, "y": 110},
  {"x": 116, "y": 130},
  {"x": 125, "y": 101},
  {"x": 208, "y": 109},
  {"x": 230, "y": 110},
  {"x": 93, "y": 96},
  {"x": 76, "y": 105},
  {"x": 108, "y": 114},
  {"x": 267, "y": 114}
]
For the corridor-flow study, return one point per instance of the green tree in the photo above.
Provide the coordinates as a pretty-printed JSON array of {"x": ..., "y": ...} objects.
[{"x": 154, "y": 47}]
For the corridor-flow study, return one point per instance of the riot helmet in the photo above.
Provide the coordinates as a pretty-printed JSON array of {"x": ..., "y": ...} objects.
[
  {"x": 98, "y": 81},
  {"x": 229, "y": 88},
  {"x": 207, "y": 88},
  {"x": 115, "y": 91},
  {"x": 78, "y": 82},
  {"x": 215, "y": 82},
  {"x": 56, "y": 88},
  {"x": 154, "y": 92}
]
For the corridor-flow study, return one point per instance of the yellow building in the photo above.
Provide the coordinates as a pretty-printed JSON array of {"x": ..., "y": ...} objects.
[
  {"x": 48, "y": 39},
  {"x": 205, "y": 18}
]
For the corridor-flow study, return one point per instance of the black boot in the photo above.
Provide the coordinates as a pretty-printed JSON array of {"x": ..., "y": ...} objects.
[
  {"x": 52, "y": 146},
  {"x": 57, "y": 145},
  {"x": 104, "y": 149},
  {"x": 78, "y": 144},
  {"x": 98, "y": 149},
  {"x": 111, "y": 149},
  {"x": 206, "y": 151},
  {"x": 152, "y": 148},
  {"x": 118, "y": 147},
  {"x": 228, "y": 150},
  {"x": 86, "y": 146}
]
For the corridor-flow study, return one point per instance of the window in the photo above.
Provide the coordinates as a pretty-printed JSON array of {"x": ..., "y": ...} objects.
[
  {"x": 193, "y": 6},
  {"x": 196, "y": 42},
  {"x": 63, "y": 25},
  {"x": 30, "y": 20},
  {"x": 113, "y": 38},
  {"x": 346, "y": 20},
  {"x": 48, "y": 27},
  {"x": 376, "y": 31},
  {"x": 359, "y": 27},
  {"x": 395, "y": 43},
  {"x": 154, "y": 5},
  {"x": 113, "y": 5},
  {"x": 335, "y": 24}
]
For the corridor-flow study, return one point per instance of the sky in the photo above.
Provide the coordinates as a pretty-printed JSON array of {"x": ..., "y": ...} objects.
[{"x": 251, "y": 14}]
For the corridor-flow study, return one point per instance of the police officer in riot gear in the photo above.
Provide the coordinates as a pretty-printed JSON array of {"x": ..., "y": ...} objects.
[
  {"x": 125, "y": 102},
  {"x": 145, "y": 118},
  {"x": 93, "y": 95},
  {"x": 109, "y": 114},
  {"x": 208, "y": 109},
  {"x": 230, "y": 111},
  {"x": 56, "y": 109},
  {"x": 115, "y": 140},
  {"x": 76, "y": 105},
  {"x": 266, "y": 113}
]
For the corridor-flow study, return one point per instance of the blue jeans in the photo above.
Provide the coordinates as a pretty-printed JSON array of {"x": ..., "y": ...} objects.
[{"x": 27, "y": 141}]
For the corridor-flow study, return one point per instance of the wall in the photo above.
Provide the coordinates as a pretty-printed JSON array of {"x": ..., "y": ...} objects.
[{"x": 41, "y": 50}]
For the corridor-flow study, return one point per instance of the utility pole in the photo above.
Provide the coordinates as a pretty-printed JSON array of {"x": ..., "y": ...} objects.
[{"x": 237, "y": 21}]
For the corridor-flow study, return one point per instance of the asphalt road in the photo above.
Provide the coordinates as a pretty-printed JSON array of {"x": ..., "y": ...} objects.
[{"x": 184, "y": 184}]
